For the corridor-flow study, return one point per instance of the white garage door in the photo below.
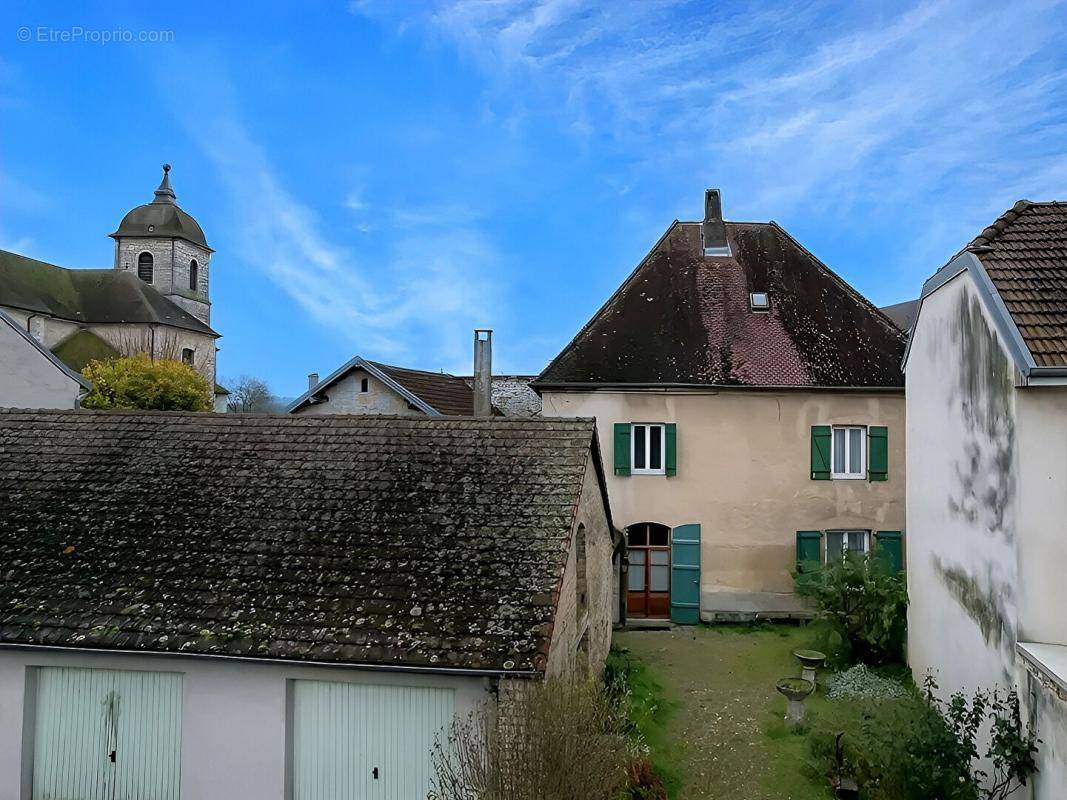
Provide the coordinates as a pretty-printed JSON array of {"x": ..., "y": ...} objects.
[
  {"x": 107, "y": 735},
  {"x": 360, "y": 742}
]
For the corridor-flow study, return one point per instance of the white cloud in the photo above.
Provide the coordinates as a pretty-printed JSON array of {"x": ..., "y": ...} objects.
[
  {"x": 432, "y": 287},
  {"x": 818, "y": 112}
]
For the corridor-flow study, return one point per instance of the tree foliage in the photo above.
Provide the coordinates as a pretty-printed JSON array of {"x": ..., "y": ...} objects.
[
  {"x": 139, "y": 382},
  {"x": 865, "y": 606}
]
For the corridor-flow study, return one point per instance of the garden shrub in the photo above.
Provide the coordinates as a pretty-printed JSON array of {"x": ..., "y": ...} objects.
[
  {"x": 139, "y": 382},
  {"x": 920, "y": 748},
  {"x": 863, "y": 608}
]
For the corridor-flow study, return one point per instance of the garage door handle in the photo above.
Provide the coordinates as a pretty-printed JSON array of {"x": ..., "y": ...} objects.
[{"x": 374, "y": 772}]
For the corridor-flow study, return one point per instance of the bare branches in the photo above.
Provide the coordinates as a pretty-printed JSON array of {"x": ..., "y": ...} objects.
[{"x": 557, "y": 740}]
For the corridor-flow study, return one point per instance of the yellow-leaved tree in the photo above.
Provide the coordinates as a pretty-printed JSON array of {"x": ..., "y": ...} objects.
[{"x": 138, "y": 382}]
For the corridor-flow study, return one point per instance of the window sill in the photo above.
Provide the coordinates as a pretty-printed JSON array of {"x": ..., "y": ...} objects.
[
  {"x": 1050, "y": 660},
  {"x": 848, "y": 477},
  {"x": 647, "y": 472}
]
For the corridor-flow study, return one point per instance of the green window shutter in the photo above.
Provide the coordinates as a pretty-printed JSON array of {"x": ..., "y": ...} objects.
[
  {"x": 809, "y": 551},
  {"x": 890, "y": 548},
  {"x": 622, "y": 448},
  {"x": 877, "y": 453},
  {"x": 820, "y": 452},
  {"x": 671, "y": 430}
]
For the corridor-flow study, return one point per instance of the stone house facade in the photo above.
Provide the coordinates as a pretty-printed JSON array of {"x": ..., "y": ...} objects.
[{"x": 752, "y": 407}]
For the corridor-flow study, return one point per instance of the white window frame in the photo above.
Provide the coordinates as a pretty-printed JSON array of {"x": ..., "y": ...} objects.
[
  {"x": 847, "y": 474},
  {"x": 844, "y": 542},
  {"x": 635, "y": 470}
]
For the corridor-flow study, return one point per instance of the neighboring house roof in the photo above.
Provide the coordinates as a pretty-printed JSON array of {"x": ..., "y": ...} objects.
[
  {"x": 161, "y": 218},
  {"x": 684, "y": 318},
  {"x": 1019, "y": 268},
  {"x": 1025, "y": 255},
  {"x": 48, "y": 354},
  {"x": 81, "y": 347},
  {"x": 101, "y": 296},
  {"x": 379, "y": 541},
  {"x": 902, "y": 314},
  {"x": 433, "y": 393}
]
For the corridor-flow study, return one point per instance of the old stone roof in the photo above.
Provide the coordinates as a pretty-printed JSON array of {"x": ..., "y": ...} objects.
[
  {"x": 407, "y": 541},
  {"x": 683, "y": 317},
  {"x": 101, "y": 296},
  {"x": 1024, "y": 253}
]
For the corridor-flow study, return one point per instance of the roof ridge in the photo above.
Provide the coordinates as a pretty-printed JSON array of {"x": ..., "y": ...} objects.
[
  {"x": 1000, "y": 224},
  {"x": 413, "y": 369}
]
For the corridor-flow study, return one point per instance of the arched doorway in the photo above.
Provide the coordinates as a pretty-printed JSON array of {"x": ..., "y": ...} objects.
[{"x": 649, "y": 578}]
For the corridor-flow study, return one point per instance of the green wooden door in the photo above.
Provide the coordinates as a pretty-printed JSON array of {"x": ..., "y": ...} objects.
[
  {"x": 107, "y": 734},
  {"x": 685, "y": 574},
  {"x": 364, "y": 742}
]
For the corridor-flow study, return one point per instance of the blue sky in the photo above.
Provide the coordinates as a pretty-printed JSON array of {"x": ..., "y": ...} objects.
[{"x": 381, "y": 177}]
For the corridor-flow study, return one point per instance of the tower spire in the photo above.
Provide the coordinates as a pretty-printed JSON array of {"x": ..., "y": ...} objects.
[{"x": 164, "y": 194}]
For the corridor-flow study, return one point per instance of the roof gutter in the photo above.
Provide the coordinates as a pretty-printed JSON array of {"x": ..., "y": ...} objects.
[
  {"x": 291, "y": 662},
  {"x": 708, "y": 388}
]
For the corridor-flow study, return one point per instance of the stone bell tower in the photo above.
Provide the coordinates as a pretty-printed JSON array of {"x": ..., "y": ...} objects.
[{"x": 165, "y": 247}]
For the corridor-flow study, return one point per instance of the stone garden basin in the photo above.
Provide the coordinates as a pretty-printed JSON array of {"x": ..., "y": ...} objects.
[
  {"x": 795, "y": 691},
  {"x": 810, "y": 662}
]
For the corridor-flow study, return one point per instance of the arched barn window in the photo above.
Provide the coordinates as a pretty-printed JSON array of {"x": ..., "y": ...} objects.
[
  {"x": 144, "y": 267},
  {"x": 194, "y": 276}
]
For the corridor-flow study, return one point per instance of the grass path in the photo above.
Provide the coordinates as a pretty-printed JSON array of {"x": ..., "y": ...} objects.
[{"x": 723, "y": 734}]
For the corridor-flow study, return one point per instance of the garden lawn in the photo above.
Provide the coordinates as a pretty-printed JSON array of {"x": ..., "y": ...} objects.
[{"x": 705, "y": 702}]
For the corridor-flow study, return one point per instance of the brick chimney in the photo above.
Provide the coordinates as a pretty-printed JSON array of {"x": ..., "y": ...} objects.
[
  {"x": 713, "y": 229},
  {"x": 483, "y": 372}
]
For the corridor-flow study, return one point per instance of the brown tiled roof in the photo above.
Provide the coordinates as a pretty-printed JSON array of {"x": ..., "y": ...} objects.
[
  {"x": 1025, "y": 255},
  {"x": 410, "y": 541},
  {"x": 448, "y": 394},
  {"x": 685, "y": 318}
]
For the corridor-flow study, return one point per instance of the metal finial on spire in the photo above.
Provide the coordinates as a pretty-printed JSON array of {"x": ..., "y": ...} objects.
[{"x": 165, "y": 194}]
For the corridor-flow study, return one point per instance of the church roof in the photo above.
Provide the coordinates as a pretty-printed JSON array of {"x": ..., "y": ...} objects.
[
  {"x": 81, "y": 347},
  {"x": 688, "y": 316},
  {"x": 400, "y": 541},
  {"x": 161, "y": 218},
  {"x": 102, "y": 296}
]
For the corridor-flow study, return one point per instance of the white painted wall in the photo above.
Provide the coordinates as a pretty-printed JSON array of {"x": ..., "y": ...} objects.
[
  {"x": 29, "y": 379},
  {"x": 961, "y": 506},
  {"x": 987, "y": 497},
  {"x": 234, "y": 715}
]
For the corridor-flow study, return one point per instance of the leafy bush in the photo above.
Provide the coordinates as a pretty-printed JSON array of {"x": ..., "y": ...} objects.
[
  {"x": 864, "y": 608},
  {"x": 138, "y": 382},
  {"x": 920, "y": 747},
  {"x": 554, "y": 740}
]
